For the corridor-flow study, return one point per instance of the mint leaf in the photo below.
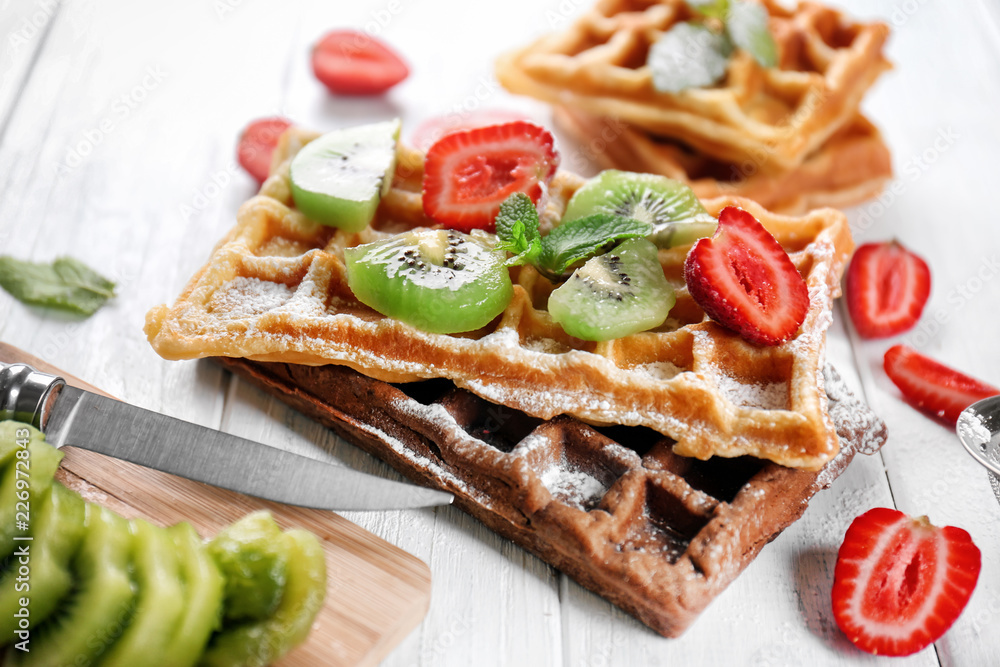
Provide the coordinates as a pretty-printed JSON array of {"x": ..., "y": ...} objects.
[
  {"x": 716, "y": 9},
  {"x": 517, "y": 229},
  {"x": 580, "y": 239},
  {"x": 689, "y": 55},
  {"x": 747, "y": 26},
  {"x": 66, "y": 284}
]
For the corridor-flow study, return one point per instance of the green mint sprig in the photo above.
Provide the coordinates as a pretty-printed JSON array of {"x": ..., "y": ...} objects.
[
  {"x": 66, "y": 284},
  {"x": 553, "y": 254},
  {"x": 696, "y": 54}
]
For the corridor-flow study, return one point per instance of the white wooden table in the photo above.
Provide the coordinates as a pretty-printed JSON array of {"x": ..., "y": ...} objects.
[{"x": 118, "y": 123}]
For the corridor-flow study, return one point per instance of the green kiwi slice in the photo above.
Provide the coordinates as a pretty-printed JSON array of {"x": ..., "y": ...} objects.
[
  {"x": 160, "y": 600},
  {"x": 339, "y": 178},
  {"x": 254, "y": 566},
  {"x": 24, "y": 482},
  {"x": 678, "y": 218},
  {"x": 203, "y": 585},
  {"x": 100, "y": 609},
  {"x": 438, "y": 280},
  {"x": 57, "y": 528},
  {"x": 259, "y": 643},
  {"x": 615, "y": 294}
]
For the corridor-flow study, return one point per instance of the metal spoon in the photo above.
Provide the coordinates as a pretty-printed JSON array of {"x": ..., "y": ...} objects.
[{"x": 979, "y": 430}]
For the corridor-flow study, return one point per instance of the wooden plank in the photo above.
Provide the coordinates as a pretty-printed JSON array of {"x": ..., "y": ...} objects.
[
  {"x": 24, "y": 25},
  {"x": 376, "y": 593},
  {"x": 945, "y": 158}
]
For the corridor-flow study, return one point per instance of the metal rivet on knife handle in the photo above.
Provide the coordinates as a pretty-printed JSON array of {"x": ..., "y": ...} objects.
[{"x": 27, "y": 395}]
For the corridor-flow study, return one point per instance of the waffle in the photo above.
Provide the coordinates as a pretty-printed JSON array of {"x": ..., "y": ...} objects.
[
  {"x": 776, "y": 117},
  {"x": 655, "y": 533},
  {"x": 275, "y": 290},
  {"x": 851, "y": 167}
]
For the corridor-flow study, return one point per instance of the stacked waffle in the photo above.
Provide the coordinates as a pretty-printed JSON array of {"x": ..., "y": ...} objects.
[
  {"x": 791, "y": 137},
  {"x": 651, "y": 468}
]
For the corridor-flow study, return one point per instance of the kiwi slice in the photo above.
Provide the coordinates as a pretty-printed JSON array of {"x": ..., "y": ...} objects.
[
  {"x": 102, "y": 606},
  {"x": 254, "y": 566},
  {"x": 24, "y": 482},
  {"x": 259, "y": 643},
  {"x": 57, "y": 529},
  {"x": 160, "y": 600},
  {"x": 438, "y": 280},
  {"x": 339, "y": 178},
  {"x": 613, "y": 295},
  {"x": 203, "y": 586},
  {"x": 678, "y": 218}
]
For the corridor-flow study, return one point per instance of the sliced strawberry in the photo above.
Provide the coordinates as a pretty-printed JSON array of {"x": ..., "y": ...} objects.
[
  {"x": 744, "y": 280},
  {"x": 469, "y": 174},
  {"x": 257, "y": 144},
  {"x": 887, "y": 287},
  {"x": 932, "y": 387},
  {"x": 434, "y": 129},
  {"x": 900, "y": 583},
  {"x": 349, "y": 62}
]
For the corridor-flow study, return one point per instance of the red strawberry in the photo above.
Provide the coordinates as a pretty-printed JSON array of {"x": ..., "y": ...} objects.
[
  {"x": 886, "y": 288},
  {"x": 257, "y": 144},
  {"x": 744, "y": 280},
  {"x": 932, "y": 387},
  {"x": 469, "y": 174},
  {"x": 900, "y": 583},
  {"x": 349, "y": 62}
]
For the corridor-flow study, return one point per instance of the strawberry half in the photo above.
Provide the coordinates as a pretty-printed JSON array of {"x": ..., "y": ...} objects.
[
  {"x": 932, "y": 387},
  {"x": 900, "y": 583},
  {"x": 744, "y": 280},
  {"x": 257, "y": 144},
  {"x": 886, "y": 288},
  {"x": 349, "y": 62},
  {"x": 469, "y": 174}
]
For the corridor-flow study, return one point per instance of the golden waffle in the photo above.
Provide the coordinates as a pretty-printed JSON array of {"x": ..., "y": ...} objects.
[
  {"x": 275, "y": 289},
  {"x": 775, "y": 116},
  {"x": 657, "y": 534},
  {"x": 851, "y": 167}
]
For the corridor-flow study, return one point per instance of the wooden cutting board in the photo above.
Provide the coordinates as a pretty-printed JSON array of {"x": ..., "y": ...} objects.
[{"x": 376, "y": 593}]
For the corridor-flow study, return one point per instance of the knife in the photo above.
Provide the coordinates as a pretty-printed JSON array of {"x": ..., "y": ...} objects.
[{"x": 69, "y": 416}]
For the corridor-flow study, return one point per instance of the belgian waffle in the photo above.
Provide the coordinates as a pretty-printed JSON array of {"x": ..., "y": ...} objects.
[
  {"x": 851, "y": 167},
  {"x": 275, "y": 290},
  {"x": 776, "y": 116},
  {"x": 658, "y": 534}
]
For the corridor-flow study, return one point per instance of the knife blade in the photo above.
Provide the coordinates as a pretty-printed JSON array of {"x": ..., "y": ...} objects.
[{"x": 77, "y": 418}]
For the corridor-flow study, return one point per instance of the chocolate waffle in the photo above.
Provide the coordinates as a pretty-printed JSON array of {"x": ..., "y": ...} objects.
[
  {"x": 776, "y": 116},
  {"x": 851, "y": 167},
  {"x": 275, "y": 289},
  {"x": 657, "y": 534},
  {"x": 579, "y": 452}
]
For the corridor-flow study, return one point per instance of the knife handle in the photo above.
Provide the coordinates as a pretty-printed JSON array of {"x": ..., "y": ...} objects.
[{"x": 27, "y": 395}]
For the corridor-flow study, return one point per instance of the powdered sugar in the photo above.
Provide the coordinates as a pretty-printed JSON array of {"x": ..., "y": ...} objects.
[
  {"x": 573, "y": 487},
  {"x": 764, "y": 396},
  {"x": 248, "y": 297},
  {"x": 659, "y": 370}
]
